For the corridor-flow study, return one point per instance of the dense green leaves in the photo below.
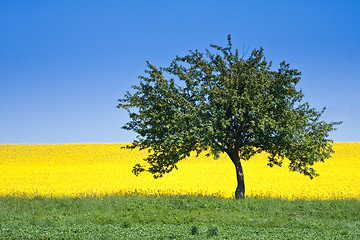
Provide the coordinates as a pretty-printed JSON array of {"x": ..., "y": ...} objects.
[{"x": 225, "y": 103}]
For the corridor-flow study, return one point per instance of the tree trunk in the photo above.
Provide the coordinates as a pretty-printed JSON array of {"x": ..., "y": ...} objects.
[{"x": 240, "y": 190}]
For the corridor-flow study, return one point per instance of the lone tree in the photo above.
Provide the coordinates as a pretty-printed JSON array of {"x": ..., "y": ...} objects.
[{"x": 224, "y": 103}]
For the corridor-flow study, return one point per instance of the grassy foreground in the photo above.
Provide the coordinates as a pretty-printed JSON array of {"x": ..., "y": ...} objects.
[{"x": 177, "y": 217}]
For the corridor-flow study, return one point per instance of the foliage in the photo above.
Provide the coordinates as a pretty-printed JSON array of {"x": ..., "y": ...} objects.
[
  {"x": 213, "y": 231},
  {"x": 194, "y": 230},
  {"x": 229, "y": 104}
]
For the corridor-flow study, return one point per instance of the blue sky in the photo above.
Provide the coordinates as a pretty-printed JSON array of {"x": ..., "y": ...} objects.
[{"x": 64, "y": 64}]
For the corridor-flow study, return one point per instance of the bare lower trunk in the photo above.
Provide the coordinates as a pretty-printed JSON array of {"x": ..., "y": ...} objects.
[{"x": 240, "y": 190}]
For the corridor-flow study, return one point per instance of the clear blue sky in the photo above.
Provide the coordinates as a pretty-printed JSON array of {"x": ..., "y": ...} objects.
[{"x": 64, "y": 64}]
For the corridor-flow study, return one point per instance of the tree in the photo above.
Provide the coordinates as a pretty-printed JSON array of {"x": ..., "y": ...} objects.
[{"x": 221, "y": 102}]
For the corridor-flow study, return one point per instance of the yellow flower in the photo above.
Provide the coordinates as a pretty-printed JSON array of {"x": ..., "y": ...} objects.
[{"x": 79, "y": 170}]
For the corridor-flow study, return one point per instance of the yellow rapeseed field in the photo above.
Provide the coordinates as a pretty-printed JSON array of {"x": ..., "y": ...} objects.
[{"x": 78, "y": 170}]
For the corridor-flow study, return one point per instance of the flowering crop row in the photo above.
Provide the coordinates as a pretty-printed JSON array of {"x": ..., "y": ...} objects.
[{"x": 78, "y": 170}]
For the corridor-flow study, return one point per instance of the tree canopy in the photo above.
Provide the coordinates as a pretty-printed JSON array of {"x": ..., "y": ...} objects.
[{"x": 223, "y": 102}]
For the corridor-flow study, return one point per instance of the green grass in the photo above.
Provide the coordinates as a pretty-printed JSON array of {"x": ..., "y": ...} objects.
[{"x": 177, "y": 217}]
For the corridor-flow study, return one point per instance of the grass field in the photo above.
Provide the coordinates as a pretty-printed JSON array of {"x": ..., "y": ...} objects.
[
  {"x": 77, "y": 170},
  {"x": 177, "y": 217}
]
